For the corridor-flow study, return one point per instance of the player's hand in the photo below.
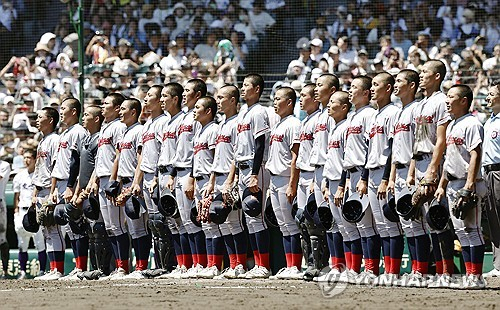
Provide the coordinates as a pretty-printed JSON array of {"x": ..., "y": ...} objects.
[
  {"x": 311, "y": 188},
  {"x": 136, "y": 189},
  {"x": 439, "y": 194},
  {"x": 362, "y": 188},
  {"x": 338, "y": 198},
  {"x": 189, "y": 191},
  {"x": 171, "y": 183},
  {"x": 291, "y": 192},
  {"x": 208, "y": 190},
  {"x": 253, "y": 183},
  {"x": 94, "y": 188},
  {"x": 382, "y": 190},
  {"x": 391, "y": 187},
  {"x": 34, "y": 200},
  {"x": 410, "y": 179},
  {"x": 226, "y": 190},
  {"x": 151, "y": 188},
  {"x": 53, "y": 197},
  {"x": 326, "y": 195}
]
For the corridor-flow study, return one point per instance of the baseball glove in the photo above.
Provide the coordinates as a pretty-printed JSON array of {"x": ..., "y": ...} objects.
[
  {"x": 419, "y": 197},
  {"x": 231, "y": 197},
  {"x": 466, "y": 200},
  {"x": 45, "y": 214},
  {"x": 122, "y": 198},
  {"x": 204, "y": 209}
]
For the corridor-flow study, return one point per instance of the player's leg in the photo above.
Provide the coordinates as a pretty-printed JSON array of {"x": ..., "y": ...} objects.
[{"x": 303, "y": 192}]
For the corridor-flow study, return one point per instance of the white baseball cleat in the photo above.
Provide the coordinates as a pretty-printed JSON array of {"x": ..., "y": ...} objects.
[
  {"x": 294, "y": 274},
  {"x": 440, "y": 281},
  {"x": 281, "y": 274},
  {"x": 259, "y": 273},
  {"x": 50, "y": 276},
  {"x": 331, "y": 276},
  {"x": 136, "y": 275},
  {"x": 474, "y": 282},
  {"x": 238, "y": 272},
  {"x": 222, "y": 274},
  {"x": 116, "y": 274},
  {"x": 177, "y": 273},
  {"x": 366, "y": 277},
  {"x": 72, "y": 276},
  {"x": 22, "y": 275},
  {"x": 191, "y": 272},
  {"x": 248, "y": 273},
  {"x": 492, "y": 273},
  {"x": 209, "y": 273},
  {"x": 385, "y": 279}
]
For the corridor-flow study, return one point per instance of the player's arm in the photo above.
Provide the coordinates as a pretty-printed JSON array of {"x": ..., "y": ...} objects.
[
  {"x": 392, "y": 179},
  {"x": 189, "y": 191},
  {"x": 53, "y": 186},
  {"x": 437, "y": 154},
  {"x": 114, "y": 169},
  {"x": 16, "y": 202},
  {"x": 474, "y": 166},
  {"x": 382, "y": 188},
  {"x": 410, "y": 179},
  {"x": 291, "y": 190},
  {"x": 260, "y": 145},
  {"x": 74, "y": 169},
  {"x": 138, "y": 175},
  {"x": 441, "y": 189}
]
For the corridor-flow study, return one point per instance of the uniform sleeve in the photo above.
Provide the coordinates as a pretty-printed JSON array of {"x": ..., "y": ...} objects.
[
  {"x": 442, "y": 115},
  {"x": 118, "y": 136},
  {"x": 138, "y": 140},
  {"x": 474, "y": 136},
  {"x": 212, "y": 138},
  {"x": 16, "y": 186},
  {"x": 369, "y": 121},
  {"x": 260, "y": 123},
  {"x": 141, "y": 133},
  {"x": 5, "y": 171},
  {"x": 391, "y": 122},
  {"x": 77, "y": 140},
  {"x": 294, "y": 133}
]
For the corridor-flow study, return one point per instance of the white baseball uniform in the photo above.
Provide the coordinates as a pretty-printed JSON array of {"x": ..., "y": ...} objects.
[
  {"x": 356, "y": 148},
  {"x": 4, "y": 179},
  {"x": 188, "y": 128},
  {"x": 252, "y": 123},
  {"x": 284, "y": 135},
  {"x": 402, "y": 153},
  {"x": 109, "y": 136},
  {"x": 333, "y": 173},
  {"x": 462, "y": 136},
  {"x": 23, "y": 185},
  {"x": 128, "y": 147},
  {"x": 379, "y": 132},
  {"x": 306, "y": 137}
]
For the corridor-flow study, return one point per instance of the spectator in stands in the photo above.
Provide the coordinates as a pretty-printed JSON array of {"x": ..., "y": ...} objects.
[
  {"x": 449, "y": 58},
  {"x": 416, "y": 58},
  {"x": 347, "y": 55},
  {"x": 98, "y": 48},
  {"x": 147, "y": 20},
  {"x": 196, "y": 33},
  {"x": 491, "y": 31},
  {"x": 343, "y": 25},
  {"x": 493, "y": 63},
  {"x": 468, "y": 30},
  {"x": 260, "y": 19},
  {"x": 174, "y": 60},
  {"x": 316, "y": 46},
  {"x": 399, "y": 40},
  {"x": 181, "y": 17},
  {"x": 207, "y": 50},
  {"x": 240, "y": 48},
  {"x": 243, "y": 25}
]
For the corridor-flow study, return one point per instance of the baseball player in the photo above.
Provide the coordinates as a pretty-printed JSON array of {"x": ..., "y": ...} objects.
[
  {"x": 379, "y": 166},
  {"x": 283, "y": 150},
  {"x": 250, "y": 155},
  {"x": 338, "y": 108},
  {"x": 4, "y": 245},
  {"x": 46, "y": 122},
  {"x": 23, "y": 191},
  {"x": 105, "y": 170},
  {"x": 356, "y": 149},
  {"x": 171, "y": 102},
  {"x": 431, "y": 121},
  {"x": 233, "y": 231},
  {"x": 303, "y": 163},
  {"x": 326, "y": 85},
  {"x": 184, "y": 182},
  {"x": 460, "y": 179},
  {"x": 65, "y": 173},
  {"x": 127, "y": 156},
  {"x": 204, "y": 141},
  {"x": 416, "y": 232},
  {"x": 491, "y": 166},
  {"x": 152, "y": 137}
]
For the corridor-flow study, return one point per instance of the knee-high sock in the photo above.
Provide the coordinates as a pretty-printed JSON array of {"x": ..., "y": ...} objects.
[
  {"x": 413, "y": 252},
  {"x": 210, "y": 251},
  {"x": 81, "y": 252},
  {"x": 23, "y": 260},
  {"x": 262, "y": 239},
  {"x": 347, "y": 254},
  {"x": 231, "y": 250},
  {"x": 446, "y": 243},
  {"x": 287, "y": 246},
  {"x": 477, "y": 258},
  {"x": 386, "y": 253},
  {"x": 467, "y": 260},
  {"x": 217, "y": 252},
  {"x": 422, "y": 249},
  {"x": 56, "y": 259},
  {"x": 142, "y": 248},
  {"x": 176, "y": 239},
  {"x": 436, "y": 251},
  {"x": 241, "y": 245},
  {"x": 331, "y": 247},
  {"x": 187, "y": 258},
  {"x": 201, "y": 249},
  {"x": 123, "y": 246},
  {"x": 338, "y": 244},
  {"x": 255, "y": 250},
  {"x": 193, "y": 251},
  {"x": 296, "y": 251},
  {"x": 356, "y": 254},
  {"x": 42, "y": 258},
  {"x": 373, "y": 249},
  {"x": 397, "y": 248}
]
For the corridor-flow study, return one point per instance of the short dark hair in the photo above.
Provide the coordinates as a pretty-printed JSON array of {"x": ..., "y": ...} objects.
[
  {"x": 209, "y": 103},
  {"x": 175, "y": 90},
  {"x": 387, "y": 78},
  {"x": 53, "y": 114},
  {"x": 366, "y": 81},
  {"x": 438, "y": 66},
  {"x": 464, "y": 91},
  {"x": 289, "y": 93},
  {"x": 411, "y": 76},
  {"x": 332, "y": 80},
  {"x": 135, "y": 104},
  {"x": 96, "y": 111},
  {"x": 344, "y": 98},
  {"x": 199, "y": 86},
  {"x": 233, "y": 91},
  {"x": 157, "y": 89},
  {"x": 116, "y": 99},
  {"x": 74, "y": 103},
  {"x": 31, "y": 151},
  {"x": 256, "y": 80}
]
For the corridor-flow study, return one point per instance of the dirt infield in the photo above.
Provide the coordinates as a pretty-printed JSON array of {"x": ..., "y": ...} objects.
[{"x": 236, "y": 294}]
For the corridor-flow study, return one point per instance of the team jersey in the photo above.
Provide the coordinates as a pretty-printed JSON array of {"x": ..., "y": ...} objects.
[
  {"x": 430, "y": 113},
  {"x": 225, "y": 145},
  {"x": 491, "y": 143},
  {"x": 336, "y": 143},
  {"x": 356, "y": 145},
  {"x": 4, "y": 177},
  {"x": 88, "y": 154},
  {"x": 379, "y": 133},
  {"x": 252, "y": 123},
  {"x": 306, "y": 137},
  {"x": 23, "y": 185},
  {"x": 128, "y": 147},
  {"x": 320, "y": 142},
  {"x": 188, "y": 128},
  {"x": 404, "y": 135},
  {"x": 69, "y": 141},
  {"x": 45, "y": 157},
  {"x": 109, "y": 136},
  {"x": 283, "y": 136},
  {"x": 203, "y": 149},
  {"x": 462, "y": 136},
  {"x": 169, "y": 140},
  {"x": 152, "y": 137}
]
